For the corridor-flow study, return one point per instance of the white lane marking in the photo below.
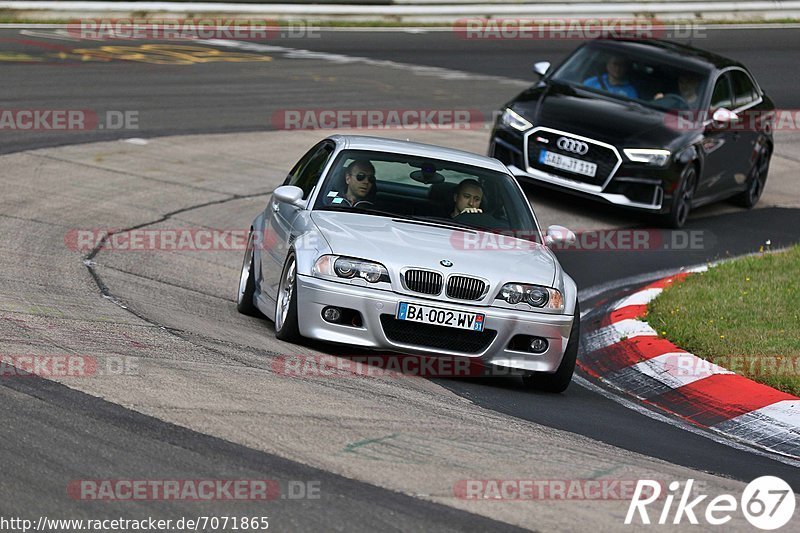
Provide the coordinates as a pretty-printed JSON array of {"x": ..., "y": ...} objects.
[
  {"x": 420, "y": 70},
  {"x": 639, "y": 298},
  {"x": 677, "y": 369},
  {"x": 710, "y": 435},
  {"x": 776, "y": 427},
  {"x": 136, "y": 140},
  {"x": 60, "y": 35},
  {"x": 614, "y": 333},
  {"x": 786, "y": 412}
]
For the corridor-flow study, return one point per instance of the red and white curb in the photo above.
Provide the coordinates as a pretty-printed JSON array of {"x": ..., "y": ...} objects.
[{"x": 627, "y": 354}]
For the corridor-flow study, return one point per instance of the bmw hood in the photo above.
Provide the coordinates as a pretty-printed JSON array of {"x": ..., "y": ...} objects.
[
  {"x": 607, "y": 119},
  {"x": 398, "y": 243}
]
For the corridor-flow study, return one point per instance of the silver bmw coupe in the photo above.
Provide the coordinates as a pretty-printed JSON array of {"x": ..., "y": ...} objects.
[{"x": 416, "y": 249}]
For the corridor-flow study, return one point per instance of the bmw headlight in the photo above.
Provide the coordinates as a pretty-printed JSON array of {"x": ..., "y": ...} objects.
[
  {"x": 350, "y": 268},
  {"x": 533, "y": 295},
  {"x": 515, "y": 120},
  {"x": 651, "y": 156}
]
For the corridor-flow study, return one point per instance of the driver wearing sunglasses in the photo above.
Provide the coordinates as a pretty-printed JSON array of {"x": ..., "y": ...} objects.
[{"x": 360, "y": 180}]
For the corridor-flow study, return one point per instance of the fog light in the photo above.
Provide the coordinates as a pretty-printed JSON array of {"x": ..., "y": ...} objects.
[
  {"x": 332, "y": 314},
  {"x": 539, "y": 345}
]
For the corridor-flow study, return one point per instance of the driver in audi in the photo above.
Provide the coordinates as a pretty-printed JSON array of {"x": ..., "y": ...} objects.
[{"x": 615, "y": 79}]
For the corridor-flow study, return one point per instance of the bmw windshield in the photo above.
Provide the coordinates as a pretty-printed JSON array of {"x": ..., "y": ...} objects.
[{"x": 427, "y": 191}]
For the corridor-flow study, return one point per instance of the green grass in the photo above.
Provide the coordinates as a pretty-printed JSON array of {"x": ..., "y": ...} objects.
[{"x": 743, "y": 315}]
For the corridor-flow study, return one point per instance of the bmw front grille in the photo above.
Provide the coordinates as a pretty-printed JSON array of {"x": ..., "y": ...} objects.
[
  {"x": 423, "y": 281},
  {"x": 465, "y": 288}
]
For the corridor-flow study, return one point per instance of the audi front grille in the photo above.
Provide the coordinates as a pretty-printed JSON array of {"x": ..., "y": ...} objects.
[
  {"x": 465, "y": 288},
  {"x": 606, "y": 159},
  {"x": 423, "y": 281}
]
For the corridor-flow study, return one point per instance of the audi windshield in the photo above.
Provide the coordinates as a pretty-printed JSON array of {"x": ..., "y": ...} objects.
[{"x": 628, "y": 75}]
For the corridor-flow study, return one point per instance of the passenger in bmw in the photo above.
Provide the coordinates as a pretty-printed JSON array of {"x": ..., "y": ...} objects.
[
  {"x": 467, "y": 198},
  {"x": 615, "y": 80}
]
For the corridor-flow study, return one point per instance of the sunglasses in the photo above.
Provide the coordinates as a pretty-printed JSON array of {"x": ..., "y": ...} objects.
[{"x": 361, "y": 177}]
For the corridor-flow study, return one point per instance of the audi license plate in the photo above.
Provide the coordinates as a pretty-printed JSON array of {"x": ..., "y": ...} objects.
[
  {"x": 440, "y": 317},
  {"x": 567, "y": 163}
]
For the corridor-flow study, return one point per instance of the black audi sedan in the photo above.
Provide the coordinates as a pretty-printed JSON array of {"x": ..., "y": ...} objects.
[{"x": 644, "y": 124}]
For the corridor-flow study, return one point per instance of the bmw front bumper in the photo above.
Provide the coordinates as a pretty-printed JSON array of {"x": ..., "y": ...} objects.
[{"x": 314, "y": 294}]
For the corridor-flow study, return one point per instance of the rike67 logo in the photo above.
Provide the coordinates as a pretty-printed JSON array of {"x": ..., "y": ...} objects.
[{"x": 767, "y": 502}]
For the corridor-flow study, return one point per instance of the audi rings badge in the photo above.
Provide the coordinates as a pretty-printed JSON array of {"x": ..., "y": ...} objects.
[{"x": 572, "y": 145}]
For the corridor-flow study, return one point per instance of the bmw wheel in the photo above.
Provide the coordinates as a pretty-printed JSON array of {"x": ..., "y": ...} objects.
[
  {"x": 286, "y": 327},
  {"x": 247, "y": 284}
]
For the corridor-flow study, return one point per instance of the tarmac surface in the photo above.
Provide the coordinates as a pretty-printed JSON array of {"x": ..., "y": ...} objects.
[{"x": 202, "y": 398}]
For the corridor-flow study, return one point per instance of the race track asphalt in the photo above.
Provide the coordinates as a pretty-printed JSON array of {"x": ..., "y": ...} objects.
[{"x": 56, "y": 432}]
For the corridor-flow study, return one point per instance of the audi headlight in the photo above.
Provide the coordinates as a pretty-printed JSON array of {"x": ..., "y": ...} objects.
[
  {"x": 515, "y": 120},
  {"x": 651, "y": 156},
  {"x": 533, "y": 295},
  {"x": 350, "y": 268}
]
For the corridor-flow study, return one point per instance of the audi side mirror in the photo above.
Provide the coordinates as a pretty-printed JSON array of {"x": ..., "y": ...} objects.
[
  {"x": 541, "y": 67},
  {"x": 724, "y": 116}
]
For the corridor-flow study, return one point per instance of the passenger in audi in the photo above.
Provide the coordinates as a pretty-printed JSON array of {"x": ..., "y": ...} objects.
[
  {"x": 615, "y": 79},
  {"x": 688, "y": 83}
]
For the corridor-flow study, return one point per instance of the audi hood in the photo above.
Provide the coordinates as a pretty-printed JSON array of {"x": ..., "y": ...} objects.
[{"x": 576, "y": 110}]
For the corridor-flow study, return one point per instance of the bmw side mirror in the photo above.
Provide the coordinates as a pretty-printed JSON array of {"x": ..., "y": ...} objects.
[
  {"x": 724, "y": 116},
  {"x": 559, "y": 235},
  {"x": 289, "y": 194},
  {"x": 541, "y": 67}
]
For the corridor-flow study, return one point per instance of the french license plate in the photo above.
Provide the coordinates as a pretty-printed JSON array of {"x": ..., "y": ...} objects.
[
  {"x": 567, "y": 163},
  {"x": 440, "y": 317}
]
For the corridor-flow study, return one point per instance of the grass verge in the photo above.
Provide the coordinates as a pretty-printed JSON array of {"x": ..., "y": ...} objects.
[{"x": 743, "y": 315}]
